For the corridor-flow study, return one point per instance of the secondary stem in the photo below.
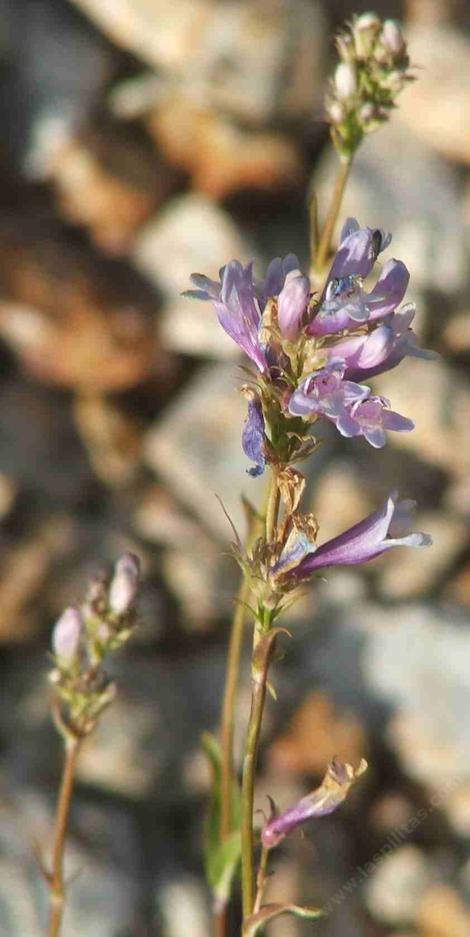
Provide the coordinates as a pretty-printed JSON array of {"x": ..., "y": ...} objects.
[
  {"x": 56, "y": 882},
  {"x": 231, "y": 682},
  {"x": 248, "y": 785},
  {"x": 258, "y": 696},
  {"x": 261, "y": 879},
  {"x": 228, "y": 707},
  {"x": 335, "y": 205}
]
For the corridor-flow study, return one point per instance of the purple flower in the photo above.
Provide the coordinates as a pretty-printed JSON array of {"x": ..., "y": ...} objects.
[
  {"x": 326, "y": 393},
  {"x": 239, "y": 301},
  {"x": 358, "y": 250},
  {"x": 366, "y": 356},
  {"x": 345, "y": 303},
  {"x": 371, "y": 418},
  {"x": 389, "y": 527},
  {"x": 362, "y": 353},
  {"x": 324, "y": 800},
  {"x": 292, "y": 304},
  {"x": 276, "y": 275},
  {"x": 253, "y": 435}
]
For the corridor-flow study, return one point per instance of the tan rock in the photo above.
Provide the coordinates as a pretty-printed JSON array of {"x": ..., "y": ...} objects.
[
  {"x": 436, "y": 106},
  {"x": 438, "y": 401},
  {"x": 423, "y": 568},
  {"x": 397, "y": 884},
  {"x": 442, "y": 913},
  {"x": 196, "y": 449},
  {"x": 317, "y": 733}
]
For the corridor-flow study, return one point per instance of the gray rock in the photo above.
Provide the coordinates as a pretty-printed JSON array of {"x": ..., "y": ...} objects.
[
  {"x": 419, "y": 662},
  {"x": 399, "y": 184},
  {"x": 196, "y": 449},
  {"x": 397, "y": 884},
  {"x": 191, "y": 236}
]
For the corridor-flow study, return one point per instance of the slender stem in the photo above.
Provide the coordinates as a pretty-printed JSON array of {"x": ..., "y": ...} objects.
[
  {"x": 56, "y": 882},
  {"x": 220, "y": 922},
  {"x": 258, "y": 696},
  {"x": 248, "y": 785},
  {"x": 273, "y": 509},
  {"x": 228, "y": 707},
  {"x": 314, "y": 226},
  {"x": 261, "y": 879},
  {"x": 335, "y": 205},
  {"x": 231, "y": 682}
]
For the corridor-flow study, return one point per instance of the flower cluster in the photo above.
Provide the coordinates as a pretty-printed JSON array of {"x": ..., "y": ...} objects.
[
  {"x": 313, "y": 354},
  {"x": 374, "y": 67},
  {"x": 81, "y": 638}
]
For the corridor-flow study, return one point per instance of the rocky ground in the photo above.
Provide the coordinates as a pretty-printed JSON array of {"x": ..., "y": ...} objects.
[{"x": 142, "y": 141}]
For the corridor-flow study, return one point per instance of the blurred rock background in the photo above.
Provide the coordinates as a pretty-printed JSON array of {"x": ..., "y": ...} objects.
[{"x": 143, "y": 140}]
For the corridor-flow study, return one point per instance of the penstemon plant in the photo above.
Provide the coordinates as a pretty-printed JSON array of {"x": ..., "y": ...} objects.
[
  {"x": 82, "y": 639},
  {"x": 312, "y": 343}
]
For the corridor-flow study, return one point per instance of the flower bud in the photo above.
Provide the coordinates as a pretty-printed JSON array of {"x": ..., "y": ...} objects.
[
  {"x": 365, "y": 31},
  {"x": 124, "y": 584},
  {"x": 392, "y": 37},
  {"x": 292, "y": 303},
  {"x": 335, "y": 787},
  {"x": 345, "y": 47},
  {"x": 345, "y": 80},
  {"x": 66, "y": 636},
  {"x": 336, "y": 112}
]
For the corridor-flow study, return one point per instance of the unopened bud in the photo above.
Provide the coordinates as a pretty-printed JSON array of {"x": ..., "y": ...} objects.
[
  {"x": 124, "y": 584},
  {"x": 292, "y": 303},
  {"x": 66, "y": 635},
  {"x": 336, "y": 112},
  {"x": 365, "y": 31},
  {"x": 392, "y": 37},
  {"x": 345, "y": 47},
  {"x": 367, "y": 113},
  {"x": 367, "y": 21},
  {"x": 345, "y": 80}
]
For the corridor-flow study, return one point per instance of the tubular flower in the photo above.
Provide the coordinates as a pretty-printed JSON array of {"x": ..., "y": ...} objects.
[
  {"x": 389, "y": 527},
  {"x": 334, "y": 788},
  {"x": 344, "y": 303},
  {"x": 253, "y": 436},
  {"x": 239, "y": 301},
  {"x": 292, "y": 304}
]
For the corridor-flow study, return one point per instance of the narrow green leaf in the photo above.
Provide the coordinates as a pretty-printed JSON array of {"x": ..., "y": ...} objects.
[
  {"x": 223, "y": 866},
  {"x": 221, "y": 859},
  {"x": 255, "y": 922}
]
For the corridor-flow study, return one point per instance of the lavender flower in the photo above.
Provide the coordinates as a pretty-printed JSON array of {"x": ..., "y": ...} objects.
[
  {"x": 253, "y": 434},
  {"x": 66, "y": 636},
  {"x": 371, "y": 418},
  {"x": 239, "y": 301},
  {"x": 346, "y": 304},
  {"x": 325, "y": 393},
  {"x": 384, "y": 348},
  {"x": 292, "y": 304},
  {"x": 371, "y": 537},
  {"x": 334, "y": 788}
]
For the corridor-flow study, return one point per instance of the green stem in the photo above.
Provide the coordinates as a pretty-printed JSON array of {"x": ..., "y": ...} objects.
[
  {"x": 227, "y": 718},
  {"x": 258, "y": 696},
  {"x": 274, "y": 499},
  {"x": 323, "y": 252},
  {"x": 228, "y": 707},
  {"x": 56, "y": 879},
  {"x": 261, "y": 879},
  {"x": 248, "y": 784}
]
